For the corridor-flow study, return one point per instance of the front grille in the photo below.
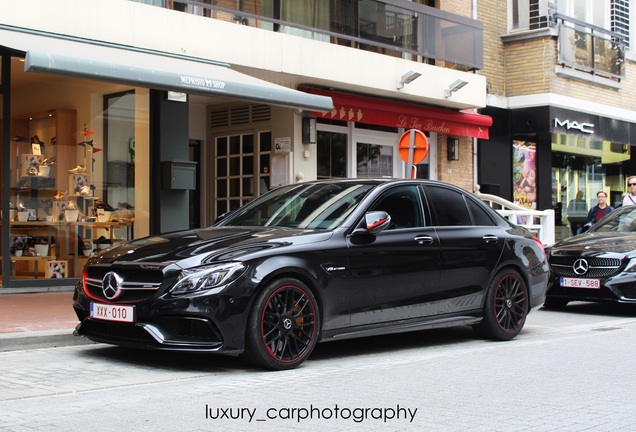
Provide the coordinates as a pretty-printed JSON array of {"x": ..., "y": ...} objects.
[
  {"x": 175, "y": 330},
  {"x": 135, "y": 285},
  {"x": 598, "y": 267}
]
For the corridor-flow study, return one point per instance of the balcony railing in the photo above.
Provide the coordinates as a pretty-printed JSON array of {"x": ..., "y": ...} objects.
[
  {"x": 591, "y": 49},
  {"x": 392, "y": 27}
]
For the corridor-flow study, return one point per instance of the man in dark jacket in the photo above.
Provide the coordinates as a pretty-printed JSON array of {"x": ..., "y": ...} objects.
[{"x": 600, "y": 210}]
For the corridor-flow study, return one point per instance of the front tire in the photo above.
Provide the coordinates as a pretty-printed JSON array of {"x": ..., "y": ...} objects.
[
  {"x": 505, "y": 308},
  {"x": 283, "y": 325}
]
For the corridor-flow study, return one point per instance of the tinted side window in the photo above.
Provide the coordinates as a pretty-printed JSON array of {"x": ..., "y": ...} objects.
[
  {"x": 449, "y": 206},
  {"x": 480, "y": 216},
  {"x": 404, "y": 206}
]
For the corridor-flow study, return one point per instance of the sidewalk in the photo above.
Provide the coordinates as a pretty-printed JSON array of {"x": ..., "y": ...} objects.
[{"x": 37, "y": 320}]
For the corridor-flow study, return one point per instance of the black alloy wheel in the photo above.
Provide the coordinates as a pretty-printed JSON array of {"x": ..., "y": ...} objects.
[
  {"x": 283, "y": 326},
  {"x": 505, "y": 308}
]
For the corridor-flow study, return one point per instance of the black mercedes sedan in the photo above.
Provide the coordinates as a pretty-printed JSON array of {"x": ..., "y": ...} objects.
[
  {"x": 596, "y": 266},
  {"x": 314, "y": 262}
]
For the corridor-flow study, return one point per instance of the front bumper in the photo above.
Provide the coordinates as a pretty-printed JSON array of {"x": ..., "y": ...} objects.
[
  {"x": 214, "y": 323},
  {"x": 617, "y": 289}
]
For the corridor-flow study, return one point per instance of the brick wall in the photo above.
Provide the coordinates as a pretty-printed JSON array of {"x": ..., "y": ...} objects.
[
  {"x": 492, "y": 13},
  {"x": 459, "y": 172},
  {"x": 527, "y": 67},
  {"x": 459, "y": 7}
]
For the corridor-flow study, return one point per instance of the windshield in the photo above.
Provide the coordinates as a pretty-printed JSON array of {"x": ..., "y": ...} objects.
[
  {"x": 622, "y": 220},
  {"x": 306, "y": 206}
]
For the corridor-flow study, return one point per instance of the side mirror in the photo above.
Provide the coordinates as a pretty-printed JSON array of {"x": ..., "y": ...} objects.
[{"x": 374, "y": 223}]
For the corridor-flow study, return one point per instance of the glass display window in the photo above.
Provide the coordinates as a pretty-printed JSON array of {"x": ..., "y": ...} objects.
[{"x": 72, "y": 172}]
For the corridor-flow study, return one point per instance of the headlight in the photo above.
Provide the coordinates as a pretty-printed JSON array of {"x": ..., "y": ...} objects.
[
  {"x": 209, "y": 277},
  {"x": 631, "y": 266}
]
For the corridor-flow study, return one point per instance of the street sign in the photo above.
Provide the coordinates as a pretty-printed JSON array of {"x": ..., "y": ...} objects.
[
  {"x": 413, "y": 143},
  {"x": 413, "y": 148}
]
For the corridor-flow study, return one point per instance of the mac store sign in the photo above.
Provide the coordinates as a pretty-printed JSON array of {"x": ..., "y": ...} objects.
[{"x": 541, "y": 120}]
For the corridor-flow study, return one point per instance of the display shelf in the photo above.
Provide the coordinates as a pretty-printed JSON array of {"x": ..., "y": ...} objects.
[
  {"x": 36, "y": 260},
  {"x": 51, "y": 136}
]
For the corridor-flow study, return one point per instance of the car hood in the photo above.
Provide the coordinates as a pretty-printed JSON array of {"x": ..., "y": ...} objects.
[
  {"x": 194, "y": 247},
  {"x": 594, "y": 243}
]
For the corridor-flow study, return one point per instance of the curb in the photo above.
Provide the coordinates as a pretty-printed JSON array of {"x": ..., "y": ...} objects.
[{"x": 40, "y": 339}]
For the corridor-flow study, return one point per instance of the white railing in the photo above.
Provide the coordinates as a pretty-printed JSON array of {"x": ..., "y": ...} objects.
[{"x": 540, "y": 222}]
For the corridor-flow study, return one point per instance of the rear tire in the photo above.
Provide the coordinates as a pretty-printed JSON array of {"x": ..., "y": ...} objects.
[
  {"x": 505, "y": 308},
  {"x": 283, "y": 325}
]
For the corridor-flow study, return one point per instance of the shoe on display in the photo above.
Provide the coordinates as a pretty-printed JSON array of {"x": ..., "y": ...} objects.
[
  {"x": 60, "y": 195},
  {"x": 78, "y": 170},
  {"x": 85, "y": 190}
]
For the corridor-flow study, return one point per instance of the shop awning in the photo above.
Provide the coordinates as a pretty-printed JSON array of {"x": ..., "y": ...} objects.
[
  {"x": 363, "y": 109},
  {"x": 161, "y": 71}
]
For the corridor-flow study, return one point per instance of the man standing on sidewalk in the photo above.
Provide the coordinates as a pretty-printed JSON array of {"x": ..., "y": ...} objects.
[
  {"x": 599, "y": 211},
  {"x": 630, "y": 199}
]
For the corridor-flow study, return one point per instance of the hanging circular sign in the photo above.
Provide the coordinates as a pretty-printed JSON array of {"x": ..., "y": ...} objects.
[{"x": 418, "y": 141}]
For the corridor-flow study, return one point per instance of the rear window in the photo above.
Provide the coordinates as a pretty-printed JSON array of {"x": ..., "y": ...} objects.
[
  {"x": 480, "y": 215},
  {"x": 449, "y": 206}
]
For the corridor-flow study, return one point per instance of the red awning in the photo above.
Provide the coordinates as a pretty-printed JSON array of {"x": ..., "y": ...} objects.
[{"x": 348, "y": 107}]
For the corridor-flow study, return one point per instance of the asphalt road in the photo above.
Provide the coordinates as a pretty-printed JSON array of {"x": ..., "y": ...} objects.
[{"x": 567, "y": 371}]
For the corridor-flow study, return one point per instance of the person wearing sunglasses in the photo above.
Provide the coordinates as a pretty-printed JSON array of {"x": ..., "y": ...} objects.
[{"x": 630, "y": 199}]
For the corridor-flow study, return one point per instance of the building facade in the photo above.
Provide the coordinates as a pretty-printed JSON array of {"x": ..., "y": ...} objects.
[
  {"x": 126, "y": 118},
  {"x": 561, "y": 93}
]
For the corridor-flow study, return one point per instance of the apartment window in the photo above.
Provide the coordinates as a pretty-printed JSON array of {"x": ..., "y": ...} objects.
[
  {"x": 628, "y": 5},
  {"x": 595, "y": 12},
  {"x": 528, "y": 14}
]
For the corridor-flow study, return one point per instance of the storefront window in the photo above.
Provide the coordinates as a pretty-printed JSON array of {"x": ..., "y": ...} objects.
[
  {"x": 374, "y": 160},
  {"x": 580, "y": 168},
  {"x": 331, "y": 155},
  {"x": 73, "y": 187},
  {"x": 347, "y": 149}
]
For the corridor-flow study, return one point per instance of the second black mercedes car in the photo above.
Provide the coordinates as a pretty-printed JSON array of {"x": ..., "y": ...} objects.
[
  {"x": 597, "y": 266},
  {"x": 314, "y": 262}
]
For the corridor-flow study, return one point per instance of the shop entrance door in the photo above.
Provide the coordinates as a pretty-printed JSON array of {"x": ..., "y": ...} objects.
[{"x": 376, "y": 155}]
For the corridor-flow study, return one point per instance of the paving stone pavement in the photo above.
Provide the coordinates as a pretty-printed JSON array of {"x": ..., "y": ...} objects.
[
  {"x": 37, "y": 319},
  {"x": 578, "y": 378}
]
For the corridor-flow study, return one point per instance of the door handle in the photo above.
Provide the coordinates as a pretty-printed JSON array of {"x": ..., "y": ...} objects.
[
  {"x": 422, "y": 239},
  {"x": 489, "y": 238}
]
